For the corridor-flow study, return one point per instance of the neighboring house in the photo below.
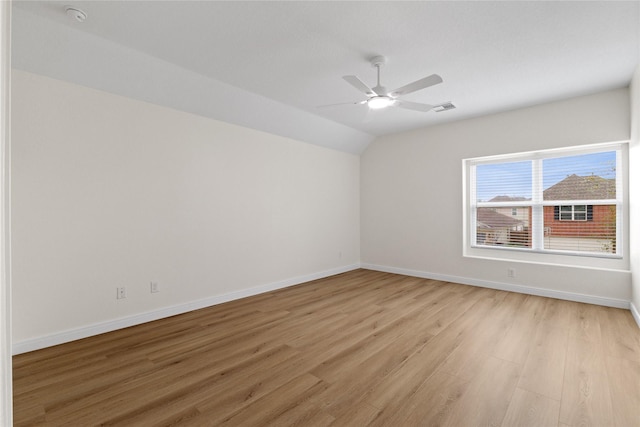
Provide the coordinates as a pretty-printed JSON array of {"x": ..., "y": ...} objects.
[
  {"x": 494, "y": 228},
  {"x": 579, "y": 227},
  {"x": 596, "y": 221},
  {"x": 520, "y": 213}
]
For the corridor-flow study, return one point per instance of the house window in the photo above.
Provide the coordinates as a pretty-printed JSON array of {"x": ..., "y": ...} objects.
[
  {"x": 573, "y": 213},
  {"x": 558, "y": 201}
]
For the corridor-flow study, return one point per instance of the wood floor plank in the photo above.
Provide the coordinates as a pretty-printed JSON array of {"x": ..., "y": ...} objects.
[
  {"x": 361, "y": 414},
  {"x": 624, "y": 379},
  {"x": 358, "y": 348},
  {"x": 559, "y": 312},
  {"x": 218, "y": 400},
  {"x": 430, "y": 405},
  {"x": 351, "y": 389},
  {"x": 334, "y": 368},
  {"x": 529, "y": 409},
  {"x": 543, "y": 371},
  {"x": 586, "y": 393},
  {"x": 306, "y": 414},
  {"x": 468, "y": 358},
  {"x": 585, "y": 324},
  {"x": 279, "y": 404},
  {"x": 364, "y": 317},
  {"x": 617, "y": 326},
  {"x": 156, "y": 388},
  {"x": 212, "y": 335},
  {"x": 516, "y": 343},
  {"x": 408, "y": 377},
  {"x": 486, "y": 399},
  {"x": 444, "y": 318}
]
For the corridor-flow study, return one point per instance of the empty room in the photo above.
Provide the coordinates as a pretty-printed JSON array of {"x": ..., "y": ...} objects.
[{"x": 277, "y": 213}]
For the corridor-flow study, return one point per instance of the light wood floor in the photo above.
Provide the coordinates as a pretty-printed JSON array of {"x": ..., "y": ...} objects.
[{"x": 361, "y": 348}]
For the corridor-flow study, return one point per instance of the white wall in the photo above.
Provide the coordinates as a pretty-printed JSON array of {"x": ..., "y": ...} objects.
[
  {"x": 634, "y": 190},
  {"x": 411, "y": 195},
  {"x": 110, "y": 191},
  {"x": 6, "y": 378}
]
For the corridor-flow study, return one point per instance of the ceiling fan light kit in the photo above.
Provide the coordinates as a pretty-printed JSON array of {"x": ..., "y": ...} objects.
[
  {"x": 379, "y": 97},
  {"x": 379, "y": 102}
]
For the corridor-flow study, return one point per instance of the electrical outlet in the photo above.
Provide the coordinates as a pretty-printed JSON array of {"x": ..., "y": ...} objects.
[
  {"x": 511, "y": 272},
  {"x": 154, "y": 287},
  {"x": 121, "y": 293}
]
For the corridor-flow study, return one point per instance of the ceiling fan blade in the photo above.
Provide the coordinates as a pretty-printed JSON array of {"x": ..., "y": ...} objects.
[
  {"x": 431, "y": 80},
  {"x": 341, "y": 103},
  {"x": 359, "y": 84},
  {"x": 413, "y": 105}
]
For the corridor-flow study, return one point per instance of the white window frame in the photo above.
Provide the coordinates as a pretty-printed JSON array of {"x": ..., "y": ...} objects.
[
  {"x": 537, "y": 253},
  {"x": 573, "y": 212}
]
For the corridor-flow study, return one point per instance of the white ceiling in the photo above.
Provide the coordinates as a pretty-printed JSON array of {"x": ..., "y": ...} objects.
[{"x": 268, "y": 65}]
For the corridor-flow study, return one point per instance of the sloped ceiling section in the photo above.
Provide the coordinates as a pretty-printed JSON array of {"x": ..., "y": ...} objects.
[
  {"x": 269, "y": 64},
  {"x": 45, "y": 47}
]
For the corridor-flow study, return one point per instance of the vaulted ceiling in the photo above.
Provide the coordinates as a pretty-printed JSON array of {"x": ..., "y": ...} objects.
[{"x": 269, "y": 65}]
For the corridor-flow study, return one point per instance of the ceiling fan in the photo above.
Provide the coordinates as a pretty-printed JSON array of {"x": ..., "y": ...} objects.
[{"x": 379, "y": 97}]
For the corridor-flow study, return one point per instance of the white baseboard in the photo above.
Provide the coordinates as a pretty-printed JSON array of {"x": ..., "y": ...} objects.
[
  {"x": 635, "y": 314},
  {"x": 137, "y": 319},
  {"x": 570, "y": 296}
]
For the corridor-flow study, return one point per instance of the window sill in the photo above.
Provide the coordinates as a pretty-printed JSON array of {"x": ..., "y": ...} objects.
[{"x": 597, "y": 262}]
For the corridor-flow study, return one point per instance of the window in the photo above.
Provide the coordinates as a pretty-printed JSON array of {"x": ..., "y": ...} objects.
[
  {"x": 573, "y": 213},
  {"x": 558, "y": 201}
]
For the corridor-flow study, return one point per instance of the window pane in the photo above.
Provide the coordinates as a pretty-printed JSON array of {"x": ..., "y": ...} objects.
[
  {"x": 499, "y": 226},
  {"x": 584, "y": 177},
  {"x": 579, "y": 235},
  {"x": 503, "y": 182}
]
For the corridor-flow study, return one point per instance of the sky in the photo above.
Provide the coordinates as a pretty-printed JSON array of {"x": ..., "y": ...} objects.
[{"x": 515, "y": 178}]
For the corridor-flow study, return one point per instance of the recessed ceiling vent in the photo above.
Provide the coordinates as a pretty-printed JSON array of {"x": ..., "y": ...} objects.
[
  {"x": 444, "y": 107},
  {"x": 75, "y": 14}
]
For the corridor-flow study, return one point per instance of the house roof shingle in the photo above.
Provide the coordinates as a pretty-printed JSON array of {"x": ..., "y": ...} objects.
[
  {"x": 576, "y": 187},
  {"x": 490, "y": 219},
  {"x": 508, "y": 199}
]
